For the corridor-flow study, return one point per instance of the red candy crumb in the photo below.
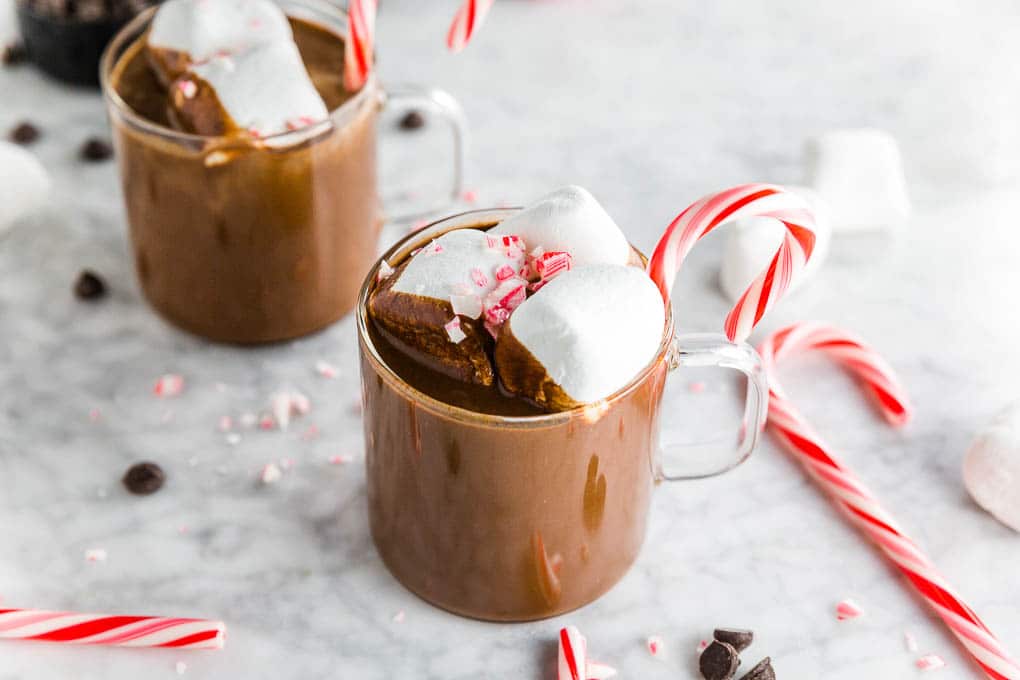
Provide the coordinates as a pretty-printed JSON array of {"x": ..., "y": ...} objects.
[
  {"x": 169, "y": 385},
  {"x": 552, "y": 263},
  {"x": 655, "y": 645},
  {"x": 930, "y": 662},
  {"x": 848, "y": 609},
  {"x": 479, "y": 277},
  {"x": 505, "y": 272},
  {"x": 454, "y": 330}
]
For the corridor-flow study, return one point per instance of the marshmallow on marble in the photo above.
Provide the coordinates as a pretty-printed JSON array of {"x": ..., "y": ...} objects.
[
  {"x": 752, "y": 243},
  {"x": 449, "y": 280},
  {"x": 991, "y": 468},
  {"x": 581, "y": 337},
  {"x": 24, "y": 184},
  {"x": 859, "y": 174},
  {"x": 263, "y": 91},
  {"x": 185, "y": 32},
  {"x": 570, "y": 220}
]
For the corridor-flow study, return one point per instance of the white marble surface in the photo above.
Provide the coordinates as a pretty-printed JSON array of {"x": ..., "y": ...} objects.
[{"x": 649, "y": 106}]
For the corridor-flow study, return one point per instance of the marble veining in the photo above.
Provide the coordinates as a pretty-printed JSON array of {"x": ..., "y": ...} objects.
[{"x": 648, "y": 105}]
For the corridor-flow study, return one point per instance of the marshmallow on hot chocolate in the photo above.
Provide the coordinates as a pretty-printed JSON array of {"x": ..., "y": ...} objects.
[
  {"x": 434, "y": 303},
  {"x": 265, "y": 91},
  {"x": 582, "y": 337},
  {"x": 185, "y": 32},
  {"x": 570, "y": 220}
]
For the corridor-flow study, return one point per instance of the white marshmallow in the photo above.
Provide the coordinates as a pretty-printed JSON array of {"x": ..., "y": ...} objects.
[
  {"x": 752, "y": 242},
  {"x": 265, "y": 89},
  {"x": 203, "y": 28},
  {"x": 449, "y": 272},
  {"x": 592, "y": 328},
  {"x": 24, "y": 184},
  {"x": 570, "y": 219},
  {"x": 991, "y": 468},
  {"x": 859, "y": 173}
]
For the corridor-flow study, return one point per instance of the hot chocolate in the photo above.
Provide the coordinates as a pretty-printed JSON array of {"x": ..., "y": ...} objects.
[{"x": 252, "y": 206}]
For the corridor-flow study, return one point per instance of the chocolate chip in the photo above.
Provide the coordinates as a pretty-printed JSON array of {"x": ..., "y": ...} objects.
[
  {"x": 412, "y": 120},
  {"x": 14, "y": 54},
  {"x": 89, "y": 286},
  {"x": 95, "y": 150},
  {"x": 763, "y": 671},
  {"x": 144, "y": 478},
  {"x": 24, "y": 133},
  {"x": 719, "y": 661},
  {"x": 740, "y": 639}
]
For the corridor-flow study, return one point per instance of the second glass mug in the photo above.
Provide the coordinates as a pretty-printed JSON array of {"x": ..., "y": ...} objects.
[
  {"x": 522, "y": 518},
  {"x": 248, "y": 245}
]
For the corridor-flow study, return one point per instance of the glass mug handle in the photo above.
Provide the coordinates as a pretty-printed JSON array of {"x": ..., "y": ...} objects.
[
  {"x": 442, "y": 104},
  {"x": 712, "y": 350}
]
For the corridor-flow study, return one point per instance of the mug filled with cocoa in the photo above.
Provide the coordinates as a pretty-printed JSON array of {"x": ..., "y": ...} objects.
[
  {"x": 513, "y": 364},
  {"x": 248, "y": 166}
]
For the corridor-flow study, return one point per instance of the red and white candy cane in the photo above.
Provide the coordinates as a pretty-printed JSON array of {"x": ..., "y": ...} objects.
[
  {"x": 465, "y": 22},
  {"x": 359, "y": 46},
  {"x": 573, "y": 662},
  {"x": 747, "y": 200},
  {"x": 103, "y": 629},
  {"x": 850, "y": 494}
]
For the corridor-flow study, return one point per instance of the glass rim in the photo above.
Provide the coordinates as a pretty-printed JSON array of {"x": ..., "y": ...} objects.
[
  {"x": 134, "y": 27},
  {"x": 467, "y": 220}
]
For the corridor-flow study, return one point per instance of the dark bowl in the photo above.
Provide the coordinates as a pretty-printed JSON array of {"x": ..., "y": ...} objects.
[{"x": 67, "y": 49}]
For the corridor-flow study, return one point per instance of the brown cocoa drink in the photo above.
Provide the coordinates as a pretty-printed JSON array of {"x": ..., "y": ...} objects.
[
  {"x": 244, "y": 235},
  {"x": 513, "y": 364}
]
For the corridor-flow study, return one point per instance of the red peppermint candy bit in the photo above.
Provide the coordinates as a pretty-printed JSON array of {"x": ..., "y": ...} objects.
[
  {"x": 454, "y": 330},
  {"x": 930, "y": 662},
  {"x": 479, "y": 277},
  {"x": 507, "y": 241},
  {"x": 433, "y": 248},
  {"x": 300, "y": 122},
  {"x": 505, "y": 272},
  {"x": 187, "y": 88},
  {"x": 504, "y": 299},
  {"x": 169, "y": 385},
  {"x": 848, "y": 609},
  {"x": 548, "y": 265}
]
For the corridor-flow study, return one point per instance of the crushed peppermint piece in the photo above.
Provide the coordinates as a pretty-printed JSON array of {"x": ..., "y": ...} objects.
[
  {"x": 169, "y": 385},
  {"x": 95, "y": 555},
  {"x": 469, "y": 305},
  {"x": 399, "y": 617},
  {"x": 702, "y": 646},
  {"x": 270, "y": 473},
  {"x": 505, "y": 272},
  {"x": 504, "y": 299},
  {"x": 434, "y": 248},
  {"x": 326, "y": 369},
  {"x": 599, "y": 671},
  {"x": 696, "y": 387},
  {"x": 655, "y": 645},
  {"x": 384, "y": 272},
  {"x": 910, "y": 641},
  {"x": 479, "y": 277},
  {"x": 548, "y": 265},
  {"x": 188, "y": 88},
  {"x": 300, "y": 122},
  {"x": 454, "y": 330},
  {"x": 339, "y": 459},
  {"x": 180, "y": 668},
  {"x": 267, "y": 422},
  {"x": 233, "y": 438},
  {"x": 930, "y": 662},
  {"x": 470, "y": 196},
  {"x": 226, "y": 424},
  {"x": 848, "y": 609}
]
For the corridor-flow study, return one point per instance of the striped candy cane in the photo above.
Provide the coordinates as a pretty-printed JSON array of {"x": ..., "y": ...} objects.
[
  {"x": 465, "y": 22},
  {"x": 573, "y": 662},
  {"x": 747, "y": 200},
  {"x": 359, "y": 45},
  {"x": 850, "y": 494},
  {"x": 102, "y": 629}
]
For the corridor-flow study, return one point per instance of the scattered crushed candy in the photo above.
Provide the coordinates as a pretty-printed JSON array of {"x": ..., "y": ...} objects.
[
  {"x": 188, "y": 88},
  {"x": 454, "y": 330},
  {"x": 339, "y": 459},
  {"x": 702, "y": 645},
  {"x": 270, "y": 473},
  {"x": 95, "y": 555},
  {"x": 470, "y": 196},
  {"x": 655, "y": 645},
  {"x": 930, "y": 662},
  {"x": 168, "y": 385},
  {"x": 326, "y": 369},
  {"x": 399, "y": 617},
  {"x": 910, "y": 642},
  {"x": 385, "y": 271},
  {"x": 479, "y": 277},
  {"x": 504, "y": 299},
  {"x": 848, "y": 609},
  {"x": 469, "y": 305},
  {"x": 696, "y": 387}
]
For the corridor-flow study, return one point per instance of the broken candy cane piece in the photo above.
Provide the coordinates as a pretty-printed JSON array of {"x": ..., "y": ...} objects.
[
  {"x": 655, "y": 645},
  {"x": 573, "y": 655},
  {"x": 930, "y": 662},
  {"x": 504, "y": 299},
  {"x": 848, "y": 609},
  {"x": 384, "y": 272},
  {"x": 169, "y": 385},
  {"x": 548, "y": 265},
  {"x": 469, "y": 305},
  {"x": 454, "y": 330}
]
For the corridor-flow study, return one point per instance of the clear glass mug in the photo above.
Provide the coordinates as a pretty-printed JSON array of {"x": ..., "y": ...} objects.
[
  {"x": 521, "y": 518},
  {"x": 248, "y": 244}
]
